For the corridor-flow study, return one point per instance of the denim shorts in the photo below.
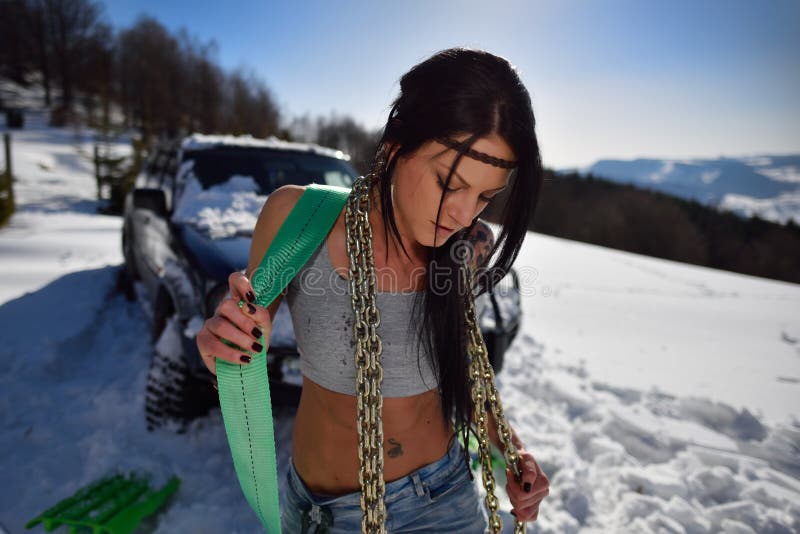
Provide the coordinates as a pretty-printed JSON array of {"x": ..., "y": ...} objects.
[{"x": 437, "y": 497}]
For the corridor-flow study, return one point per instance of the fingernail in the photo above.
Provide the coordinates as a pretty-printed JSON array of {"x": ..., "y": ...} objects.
[
  {"x": 256, "y": 332},
  {"x": 257, "y": 347},
  {"x": 250, "y": 296},
  {"x": 251, "y": 309},
  {"x": 527, "y": 487},
  {"x": 245, "y": 359},
  {"x": 513, "y": 513}
]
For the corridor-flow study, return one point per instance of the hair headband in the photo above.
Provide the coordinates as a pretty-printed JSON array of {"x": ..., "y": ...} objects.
[{"x": 486, "y": 158}]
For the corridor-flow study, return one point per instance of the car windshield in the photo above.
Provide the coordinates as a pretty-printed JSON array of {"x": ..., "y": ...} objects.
[
  {"x": 222, "y": 191},
  {"x": 269, "y": 169}
]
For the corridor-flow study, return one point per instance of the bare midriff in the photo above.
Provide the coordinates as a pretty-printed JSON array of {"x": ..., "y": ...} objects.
[{"x": 325, "y": 438}]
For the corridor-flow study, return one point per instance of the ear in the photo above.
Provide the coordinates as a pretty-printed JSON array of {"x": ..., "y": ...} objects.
[{"x": 391, "y": 147}]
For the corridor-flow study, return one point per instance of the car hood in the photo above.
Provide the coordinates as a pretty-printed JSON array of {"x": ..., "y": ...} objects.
[{"x": 215, "y": 258}]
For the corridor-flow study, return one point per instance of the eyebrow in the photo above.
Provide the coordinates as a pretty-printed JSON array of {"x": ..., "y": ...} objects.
[{"x": 463, "y": 181}]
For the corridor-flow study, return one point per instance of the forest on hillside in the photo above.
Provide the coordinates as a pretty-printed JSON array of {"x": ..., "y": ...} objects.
[
  {"x": 148, "y": 78},
  {"x": 625, "y": 217}
]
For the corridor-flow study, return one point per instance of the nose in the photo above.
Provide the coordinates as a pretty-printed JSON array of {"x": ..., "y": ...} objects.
[{"x": 460, "y": 213}]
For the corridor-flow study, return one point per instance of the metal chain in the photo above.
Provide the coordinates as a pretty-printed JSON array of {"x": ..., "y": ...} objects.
[
  {"x": 483, "y": 388},
  {"x": 369, "y": 371},
  {"x": 369, "y": 374}
]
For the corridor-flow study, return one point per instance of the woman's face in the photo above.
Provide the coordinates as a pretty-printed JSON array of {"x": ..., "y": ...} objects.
[{"x": 417, "y": 191}]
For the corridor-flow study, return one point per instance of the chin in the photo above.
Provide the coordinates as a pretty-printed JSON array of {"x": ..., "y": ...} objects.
[
  {"x": 440, "y": 240},
  {"x": 426, "y": 237}
]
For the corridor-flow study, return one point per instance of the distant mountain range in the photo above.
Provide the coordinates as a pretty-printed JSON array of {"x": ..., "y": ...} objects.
[{"x": 764, "y": 185}]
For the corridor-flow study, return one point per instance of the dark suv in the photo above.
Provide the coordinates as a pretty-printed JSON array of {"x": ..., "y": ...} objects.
[{"x": 187, "y": 225}]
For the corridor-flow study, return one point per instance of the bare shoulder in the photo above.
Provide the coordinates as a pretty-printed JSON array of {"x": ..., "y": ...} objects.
[
  {"x": 482, "y": 239},
  {"x": 282, "y": 199},
  {"x": 277, "y": 207}
]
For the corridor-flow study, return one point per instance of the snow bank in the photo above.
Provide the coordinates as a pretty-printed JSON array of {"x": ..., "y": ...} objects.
[
  {"x": 642, "y": 461},
  {"x": 223, "y": 210}
]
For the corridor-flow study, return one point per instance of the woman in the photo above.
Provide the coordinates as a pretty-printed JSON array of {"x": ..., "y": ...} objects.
[{"x": 460, "y": 132}]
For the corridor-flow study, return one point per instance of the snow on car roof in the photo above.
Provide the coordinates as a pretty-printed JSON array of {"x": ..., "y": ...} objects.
[{"x": 203, "y": 141}]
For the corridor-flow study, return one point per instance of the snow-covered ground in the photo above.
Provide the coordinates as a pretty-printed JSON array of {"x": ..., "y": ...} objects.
[
  {"x": 658, "y": 397},
  {"x": 56, "y": 228}
]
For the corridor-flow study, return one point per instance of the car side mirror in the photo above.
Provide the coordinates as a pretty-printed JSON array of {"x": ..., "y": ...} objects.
[{"x": 150, "y": 199}]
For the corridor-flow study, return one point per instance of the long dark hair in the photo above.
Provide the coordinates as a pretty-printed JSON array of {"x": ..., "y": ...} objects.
[{"x": 461, "y": 91}]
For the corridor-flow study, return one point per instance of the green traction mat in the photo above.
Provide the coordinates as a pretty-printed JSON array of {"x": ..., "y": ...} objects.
[
  {"x": 497, "y": 458},
  {"x": 114, "y": 505}
]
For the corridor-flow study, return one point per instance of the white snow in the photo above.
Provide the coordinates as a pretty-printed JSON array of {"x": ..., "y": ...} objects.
[
  {"x": 660, "y": 175},
  {"x": 768, "y": 167},
  {"x": 55, "y": 229},
  {"x": 224, "y": 210},
  {"x": 203, "y": 141},
  {"x": 781, "y": 208},
  {"x": 657, "y": 396}
]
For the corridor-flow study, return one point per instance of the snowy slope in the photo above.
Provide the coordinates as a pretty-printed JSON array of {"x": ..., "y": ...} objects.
[
  {"x": 56, "y": 196},
  {"x": 658, "y": 397},
  {"x": 765, "y": 185}
]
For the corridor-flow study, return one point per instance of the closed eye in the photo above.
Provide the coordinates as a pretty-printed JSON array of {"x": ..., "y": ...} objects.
[{"x": 441, "y": 186}]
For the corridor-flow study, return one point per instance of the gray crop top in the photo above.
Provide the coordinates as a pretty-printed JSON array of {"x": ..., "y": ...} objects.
[{"x": 319, "y": 302}]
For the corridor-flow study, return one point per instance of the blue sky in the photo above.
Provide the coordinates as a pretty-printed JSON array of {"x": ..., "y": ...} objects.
[{"x": 608, "y": 79}]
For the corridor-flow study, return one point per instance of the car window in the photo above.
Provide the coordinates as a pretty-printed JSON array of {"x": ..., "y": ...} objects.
[
  {"x": 158, "y": 167},
  {"x": 221, "y": 191},
  {"x": 150, "y": 174},
  {"x": 269, "y": 169}
]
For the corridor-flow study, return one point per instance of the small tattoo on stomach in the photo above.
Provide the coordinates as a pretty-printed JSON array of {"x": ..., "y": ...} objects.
[{"x": 396, "y": 449}]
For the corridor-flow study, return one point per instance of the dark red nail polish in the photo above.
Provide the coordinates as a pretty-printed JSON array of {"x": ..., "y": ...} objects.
[
  {"x": 251, "y": 309},
  {"x": 250, "y": 296},
  {"x": 257, "y": 347},
  {"x": 245, "y": 359},
  {"x": 527, "y": 487},
  {"x": 256, "y": 332}
]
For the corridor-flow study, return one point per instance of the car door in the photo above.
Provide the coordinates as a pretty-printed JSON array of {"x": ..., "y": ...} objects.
[
  {"x": 159, "y": 236},
  {"x": 150, "y": 227},
  {"x": 140, "y": 224}
]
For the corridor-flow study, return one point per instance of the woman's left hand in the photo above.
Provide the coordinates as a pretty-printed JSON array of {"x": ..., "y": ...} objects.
[{"x": 526, "y": 503}]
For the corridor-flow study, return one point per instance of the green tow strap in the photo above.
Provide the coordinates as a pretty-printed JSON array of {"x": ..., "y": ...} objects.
[{"x": 244, "y": 389}]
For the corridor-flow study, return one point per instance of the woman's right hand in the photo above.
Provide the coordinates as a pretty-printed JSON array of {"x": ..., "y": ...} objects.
[{"x": 242, "y": 326}]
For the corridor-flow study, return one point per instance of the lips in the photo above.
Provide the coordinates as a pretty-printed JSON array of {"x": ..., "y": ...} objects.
[{"x": 443, "y": 228}]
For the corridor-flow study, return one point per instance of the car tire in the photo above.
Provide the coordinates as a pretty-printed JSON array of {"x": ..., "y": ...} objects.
[{"x": 173, "y": 396}]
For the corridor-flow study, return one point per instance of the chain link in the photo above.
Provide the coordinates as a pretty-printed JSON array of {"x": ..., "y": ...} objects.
[
  {"x": 369, "y": 374},
  {"x": 483, "y": 389}
]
